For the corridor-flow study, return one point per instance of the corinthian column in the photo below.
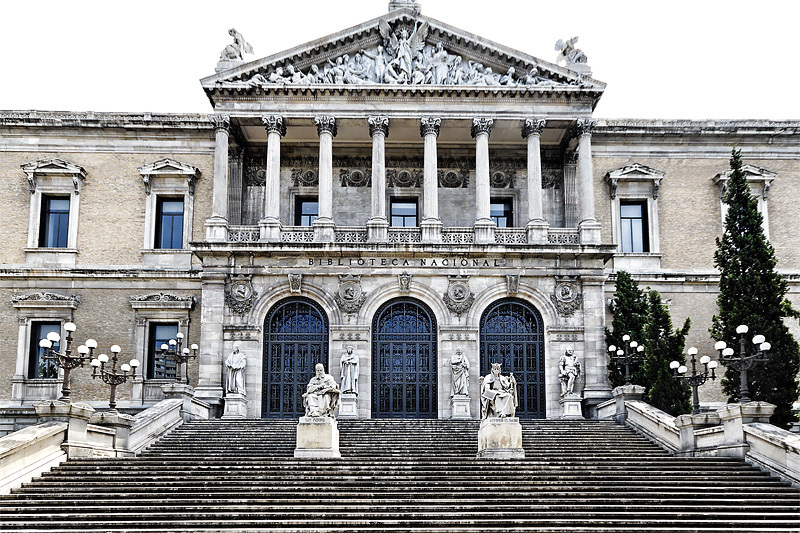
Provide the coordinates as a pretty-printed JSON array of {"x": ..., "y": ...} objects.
[
  {"x": 324, "y": 225},
  {"x": 217, "y": 223},
  {"x": 431, "y": 225},
  {"x": 537, "y": 226},
  {"x": 484, "y": 225},
  {"x": 378, "y": 225},
  {"x": 588, "y": 227},
  {"x": 270, "y": 224}
]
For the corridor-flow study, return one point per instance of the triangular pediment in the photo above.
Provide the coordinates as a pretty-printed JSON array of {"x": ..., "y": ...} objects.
[
  {"x": 53, "y": 165},
  {"x": 400, "y": 50},
  {"x": 168, "y": 166}
]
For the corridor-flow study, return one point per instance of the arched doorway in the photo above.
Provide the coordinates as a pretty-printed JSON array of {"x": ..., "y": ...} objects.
[
  {"x": 512, "y": 334},
  {"x": 295, "y": 339},
  {"x": 404, "y": 383}
]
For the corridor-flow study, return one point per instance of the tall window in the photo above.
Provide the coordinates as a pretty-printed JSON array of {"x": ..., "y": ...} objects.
[
  {"x": 403, "y": 212},
  {"x": 159, "y": 367},
  {"x": 306, "y": 211},
  {"x": 500, "y": 210},
  {"x": 169, "y": 223},
  {"x": 54, "y": 225},
  {"x": 37, "y": 367},
  {"x": 633, "y": 227}
]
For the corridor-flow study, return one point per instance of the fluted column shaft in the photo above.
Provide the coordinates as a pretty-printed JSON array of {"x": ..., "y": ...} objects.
[
  {"x": 585, "y": 171},
  {"x": 532, "y": 131},
  {"x": 275, "y": 130},
  {"x": 326, "y": 128},
  {"x": 379, "y": 131},
  {"x": 481, "y": 128},
  {"x": 429, "y": 130},
  {"x": 219, "y": 206}
]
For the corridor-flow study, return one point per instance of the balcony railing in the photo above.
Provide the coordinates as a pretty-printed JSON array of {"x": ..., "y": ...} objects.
[
  {"x": 405, "y": 235},
  {"x": 350, "y": 234},
  {"x": 511, "y": 236},
  {"x": 297, "y": 234},
  {"x": 563, "y": 236},
  {"x": 243, "y": 234},
  {"x": 458, "y": 236}
]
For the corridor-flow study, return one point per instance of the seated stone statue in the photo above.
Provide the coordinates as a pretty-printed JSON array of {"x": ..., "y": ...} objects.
[
  {"x": 498, "y": 394},
  {"x": 322, "y": 394}
]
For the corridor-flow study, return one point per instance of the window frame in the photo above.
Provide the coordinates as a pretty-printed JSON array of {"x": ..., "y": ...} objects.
[
  {"x": 299, "y": 200},
  {"x": 152, "y": 346},
  {"x": 158, "y": 243},
  {"x": 404, "y": 199},
  {"x": 46, "y": 215},
  {"x": 508, "y": 201},
  {"x": 645, "y": 226},
  {"x": 35, "y": 352}
]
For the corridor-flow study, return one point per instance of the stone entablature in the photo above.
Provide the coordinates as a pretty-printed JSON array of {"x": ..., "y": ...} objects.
[{"x": 54, "y": 119}]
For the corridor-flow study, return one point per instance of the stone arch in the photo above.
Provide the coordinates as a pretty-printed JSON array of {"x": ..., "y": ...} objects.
[
  {"x": 418, "y": 291},
  {"x": 278, "y": 292},
  {"x": 526, "y": 292}
]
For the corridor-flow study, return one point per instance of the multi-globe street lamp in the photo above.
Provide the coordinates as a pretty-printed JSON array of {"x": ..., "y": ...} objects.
[
  {"x": 65, "y": 359},
  {"x": 113, "y": 377},
  {"x": 695, "y": 379},
  {"x": 742, "y": 362},
  {"x": 174, "y": 350},
  {"x": 631, "y": 352}
]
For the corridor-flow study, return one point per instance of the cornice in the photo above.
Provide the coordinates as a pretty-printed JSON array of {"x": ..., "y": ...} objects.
[{"x": 92, "y": 119}]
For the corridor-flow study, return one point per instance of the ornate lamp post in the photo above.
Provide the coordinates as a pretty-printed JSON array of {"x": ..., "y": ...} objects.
[
  {"x": 113, "y": 377},
  {"x": 742, "y": 362},
  {"x": 695, "y": 379},
  {"x": 631, "y": 352},
  {"x": 180, "y": 355},
  {"x": 65, "y": 359}
]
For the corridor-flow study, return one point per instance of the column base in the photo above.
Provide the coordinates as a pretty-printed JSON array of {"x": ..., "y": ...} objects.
[
  {"x": 589, "y": 232},
  {"x": 571, "y": 407},
  {"x": 500, "y": 438},
  {"x": 459, "y": 407},
  {"x": 317, "y": 438},
  {"x": 348, "y": 406},
  {"x": 235, "y": 406},
  {"x": 270, "y": 230},
  {"x": 216, "y": 229},
  {"x": 377, "y": 230},
  {"x": 324, "y": 230},
  {"x": 431, "y": 230},
  {"x": 484, "y": 231},
  {"x": 537, "y": 231}
]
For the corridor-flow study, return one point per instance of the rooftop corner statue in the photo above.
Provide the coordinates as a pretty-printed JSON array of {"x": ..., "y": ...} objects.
[
  {"x": 322, "y": 394},
  {"x": 498, "y": 394},
  {"x": 235, "y": 51}
]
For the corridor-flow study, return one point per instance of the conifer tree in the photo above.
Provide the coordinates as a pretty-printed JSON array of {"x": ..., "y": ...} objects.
[
  {"x": 662, "y": 346},
  {"x": 751, "y": 292},
  {"x": 629, "y": 310}
]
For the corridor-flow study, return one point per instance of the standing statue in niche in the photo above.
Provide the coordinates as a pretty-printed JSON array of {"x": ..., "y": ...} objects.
[
  {"x": 569, "y": 368},
  {"x": 233, "y": 52},
  {"x": 349, "y": 372},
  {"x": 498, "y": 394},
  {"x": 322, "y": 394},
  {"x": 235, "y": 364},
  {"x": 459, "y": 365}
]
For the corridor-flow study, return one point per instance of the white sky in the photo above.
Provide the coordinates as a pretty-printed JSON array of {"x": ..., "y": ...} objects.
[{"x": 694, "y": 59}]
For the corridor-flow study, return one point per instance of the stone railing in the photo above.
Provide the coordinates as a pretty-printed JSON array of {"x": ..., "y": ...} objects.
[
  {"x": 244, "y": 234},
  {"x": 654, "y": 423},
  {"x": 511, "y": 236},
  {"x": 354, "y": 234},
  {"x": 297, "y": 234},
  {"x": 774, "y": 449},
  {"x": 26, "y": 453},
  {"x": 563, "y": 236},
  {"x": 458, "y": 236},
  {"x": 405, "y": 235}
]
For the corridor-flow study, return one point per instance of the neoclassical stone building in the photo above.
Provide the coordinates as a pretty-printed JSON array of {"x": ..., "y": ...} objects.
[{"x": 402, "y": 187}]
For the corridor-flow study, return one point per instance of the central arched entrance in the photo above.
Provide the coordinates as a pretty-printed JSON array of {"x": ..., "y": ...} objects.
[
  {"x": 512, "y": 334},
  {"x": 295, "y": 339},
  {"x": 404, "y": 383}
]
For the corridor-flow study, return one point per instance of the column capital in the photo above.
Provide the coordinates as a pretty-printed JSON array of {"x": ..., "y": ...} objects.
[
  {"x": 586, "y": 125},
  {"x": 481, "y": 125},
  {"x": 326, "y": 124},
  {"x": 378, "y": 124},
  {"x": 533, "y": 126},
  {"x": 221, "y": 122},
  {"x": 429, "y": 126},
  {"x": 274, "y": 124}
]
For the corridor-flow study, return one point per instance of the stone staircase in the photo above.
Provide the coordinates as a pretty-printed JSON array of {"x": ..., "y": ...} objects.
[{"x": 403, "y": 476}]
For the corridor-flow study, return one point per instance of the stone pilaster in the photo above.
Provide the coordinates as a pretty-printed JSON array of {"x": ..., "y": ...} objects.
[
  {"x": 596, "y": 388},
  {"x": 378, "y": 225},
  {"x": 589, "y": 228},
  {"x": 217, "y": 223},
  {"x": 324, "y": 225},
  {"x": 209, "y": 381},
  {"x": 484, "y": 225},
  {"x": 537, "y": 226},
  {"x": 431, "y": 224},
  {"x": 270, "y": 224}
]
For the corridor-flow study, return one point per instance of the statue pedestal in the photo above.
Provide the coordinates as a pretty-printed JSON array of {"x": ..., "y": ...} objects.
[
  {"x": 235, "y": 406},
  {"x": 500, "y": 438},
  {"x": 348, "y": 405},
  {"x": 459, "y": 407},
  {"x": 317, "y": 438},
  {"x": 571, "y": 407}
]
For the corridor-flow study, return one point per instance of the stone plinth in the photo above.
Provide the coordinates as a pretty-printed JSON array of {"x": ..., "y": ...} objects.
[
  {"x": 317, "y": 438},
  {"x": 500, "y": 438},
  {"x": 571, "y": 407},
  {"x": 216, "y": 229},
  {"x": 77, "y": 416},
  {"x": 121, "y": 424},
  {"x": 623, "y": 394},
  {"x": 235, "y": 406},
  {"x": 687, "y": 424},
  {"x": 348, "y": 405},
  {"x": 459, "y": 407},
  {"x": 734, "y": 416},
  {"x": 180, "y": 391}
]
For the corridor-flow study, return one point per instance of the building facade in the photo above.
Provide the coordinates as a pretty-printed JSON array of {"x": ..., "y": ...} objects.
[{"x": 401, "y": 187}]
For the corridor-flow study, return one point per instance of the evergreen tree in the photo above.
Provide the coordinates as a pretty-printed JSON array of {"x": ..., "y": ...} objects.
[
  {"x": 663, "y": 345},
  {"x": 629, "y": 310},
  {"x": 751, "y": 292}
]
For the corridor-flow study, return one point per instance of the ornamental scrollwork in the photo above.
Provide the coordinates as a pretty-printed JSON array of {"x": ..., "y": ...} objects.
[
  {"x": 350, "y": 296},
  {"x": 459, "y": 297},
  {"x": 356, "y": 177},
  {"x": 240, "y": 295},
  {"x": 566, "y": 297},
  {"x": 162, "y": 297}
]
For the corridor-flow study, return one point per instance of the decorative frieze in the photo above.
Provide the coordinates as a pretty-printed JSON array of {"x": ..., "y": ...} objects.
[
  {"x": 356, "y": 177},
  {"x": 162, "y": 300},
  {"x": 503, "y": 179},
  {"x": 305, "y": 177},
  {"x": 405, "y": 177},
  {"x": 453, "y": 179},
  {"x": 350, "y": 296},
  {"x": 459, "y": 297},
  {"x": 45, "y": 299}
]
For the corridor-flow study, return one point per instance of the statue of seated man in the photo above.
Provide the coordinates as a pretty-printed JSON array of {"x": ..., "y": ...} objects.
[
  {"x": 322, "y": 394},
  {"x": 498, "y": 394}
]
